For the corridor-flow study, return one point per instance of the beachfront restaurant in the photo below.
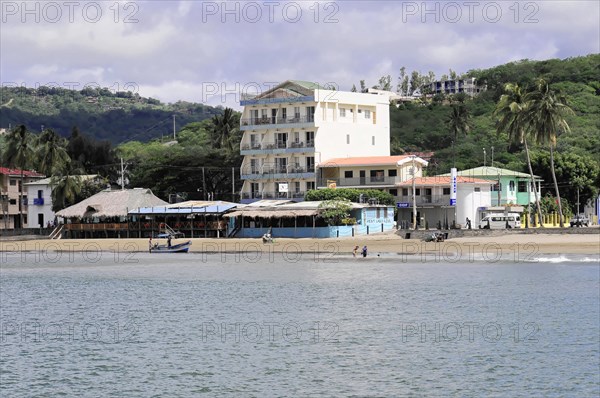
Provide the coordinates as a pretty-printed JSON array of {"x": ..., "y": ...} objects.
[
  {"x": 288, "y": 219},
  {"x": 193, "y": 219},
  {"x": 105, "y": 214}
]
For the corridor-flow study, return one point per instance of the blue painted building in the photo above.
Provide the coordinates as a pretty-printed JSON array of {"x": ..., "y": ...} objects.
[{"x": 286, "y": 219}]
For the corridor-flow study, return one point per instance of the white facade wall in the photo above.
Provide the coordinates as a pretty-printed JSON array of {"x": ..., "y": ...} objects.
[
  {"x": 363, "y": 131},
  {"x": 468, "y": 202},
  {"x": 33, "y": 210}
]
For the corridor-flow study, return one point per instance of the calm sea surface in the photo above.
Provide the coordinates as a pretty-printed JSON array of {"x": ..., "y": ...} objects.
[{"x": 242, "y": 326}]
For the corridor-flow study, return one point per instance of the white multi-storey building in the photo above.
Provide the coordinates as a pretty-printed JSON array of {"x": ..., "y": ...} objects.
[{"x": 292, "y": 128}]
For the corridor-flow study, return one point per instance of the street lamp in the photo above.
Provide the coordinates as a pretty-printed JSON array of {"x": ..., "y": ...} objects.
[{"x": 484, "y": 154}]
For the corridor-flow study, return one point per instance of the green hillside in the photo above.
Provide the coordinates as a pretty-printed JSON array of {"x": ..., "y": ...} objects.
[
  {"x": 421, "y": 127},
  {"x": 116, "y": 117}
]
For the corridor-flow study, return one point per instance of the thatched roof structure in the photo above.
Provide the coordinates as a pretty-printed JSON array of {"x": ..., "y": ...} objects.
[{"x": 110, "y": 203}]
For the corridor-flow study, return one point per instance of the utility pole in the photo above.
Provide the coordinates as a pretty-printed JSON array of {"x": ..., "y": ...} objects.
[
  {"x": 122, "y": 176},
  {"x": 203, "y": 184},
  {"x": 492, "y": 156},
  {"x": 578, "y": 201},
  {"x": 233, "y": 184},
  {"x": 414, "y": 197},
  {"x": 174, "y": 128},
  {"x": 484, "y": 155}
]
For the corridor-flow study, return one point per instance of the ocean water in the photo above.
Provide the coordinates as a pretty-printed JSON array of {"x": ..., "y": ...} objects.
[{"x": 140, "y": 325}]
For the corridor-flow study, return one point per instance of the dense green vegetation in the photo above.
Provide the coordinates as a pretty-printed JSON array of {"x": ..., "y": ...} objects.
[
  {"x": 423, "y": 125},
  {"x": 116, "y": 117},
  {"x": 203, "y": 162}
]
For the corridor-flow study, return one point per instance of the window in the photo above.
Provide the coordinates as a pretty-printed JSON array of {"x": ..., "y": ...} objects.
[
  {"x": 297, "y": 112},
  {"x": 477, "y": 189},
  {"x": 297, "y": 187},
  {"x": 347, "y": 138},
  {"x": 263, "y": 113},
  {"x": 496, "y": 187},
  {"x": 12, "y": 201},
  {"x": 367, "y": 114},
  {"x": 40, "y": 193},
  {"x": 511, "y": 186},
  {"x": 310, "y": 185},
  {"x": 373, "y": 140},
  {"x": 310, "y": 164},
  {"x": 351, "y": 110},
  {"x": 310, "y": 113},
  {"x": 348, "y": 174},
  {"x": 284, "y": 113},
  {"x": 360, "y": 111},
  {"x": 404, "y": 191},
  {"x": 392, "y": 172},
  {"x": 342, "y": 112},
  {"x": 376, "y": 175},
  {"x": 522, "y": 186},
  {"x": 418, "y": 192},
  {"x": 394, "y": 192},
  {"x": 428, "y": 191},
  {"x": 446, "y": 191},
  {"x": 13, "y": 182}
]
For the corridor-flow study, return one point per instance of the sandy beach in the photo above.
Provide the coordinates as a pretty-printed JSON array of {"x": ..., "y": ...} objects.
[{"x": 524, "y": 244}]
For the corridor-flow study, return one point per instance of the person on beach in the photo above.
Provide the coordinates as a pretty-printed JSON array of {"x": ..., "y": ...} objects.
[
  {"x": 169, "y": 241},
  {"x": 355, "y": 251},
  {"x": 150, "y": 245},
  {"x": 364, "y": 251}
]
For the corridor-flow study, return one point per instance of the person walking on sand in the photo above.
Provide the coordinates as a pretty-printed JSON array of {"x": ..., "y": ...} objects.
[
  {"x": 355, "y": 251},
  {"x": 364, "y": 251},
  {"x": 150, "y": 245}
]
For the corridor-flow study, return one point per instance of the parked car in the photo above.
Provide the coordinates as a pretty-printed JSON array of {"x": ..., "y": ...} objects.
[
  {"x": 500, "y": 221},
  {"x": 580, "y": 220}
]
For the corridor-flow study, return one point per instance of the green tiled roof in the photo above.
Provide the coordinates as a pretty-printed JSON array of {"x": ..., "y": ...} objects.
[{"x": 486, "y": 171}]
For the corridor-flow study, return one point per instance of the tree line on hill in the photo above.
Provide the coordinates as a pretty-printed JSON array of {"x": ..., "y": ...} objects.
[{"x": 543, "y": 114}]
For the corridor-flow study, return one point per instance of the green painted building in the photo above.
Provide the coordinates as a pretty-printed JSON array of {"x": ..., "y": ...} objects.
[{"x": 508, "y": 186}]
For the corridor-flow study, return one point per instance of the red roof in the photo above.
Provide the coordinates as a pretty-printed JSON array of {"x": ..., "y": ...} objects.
[
  {"x": 17, "y": 172},
  {"x": 444, "y": 180},
  {"x": 363, "y": 161}
]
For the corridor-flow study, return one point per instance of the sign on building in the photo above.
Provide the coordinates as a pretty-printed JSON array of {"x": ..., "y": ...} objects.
[
  {"x": 453, "y": 187},
  {"x": 283, "y": 187}
]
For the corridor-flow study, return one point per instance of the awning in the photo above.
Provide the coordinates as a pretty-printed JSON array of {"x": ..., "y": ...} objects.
[{"x": 273, "y": 213}]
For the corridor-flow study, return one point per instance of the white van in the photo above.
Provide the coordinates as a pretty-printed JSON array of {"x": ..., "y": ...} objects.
[{"x": 501, "y": 221}]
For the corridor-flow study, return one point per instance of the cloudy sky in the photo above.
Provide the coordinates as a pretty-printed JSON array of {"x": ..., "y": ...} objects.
[{"x": 205, "y": 51}]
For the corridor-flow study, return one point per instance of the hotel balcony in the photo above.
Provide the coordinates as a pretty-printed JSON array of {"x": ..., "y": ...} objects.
[
  {"x": 273, "y": 173},
  {"x": 248, "y": 197},
  {"x": 276, "y": 122},
  {"x": 277, "y": 147},
  {"x": 360, "y": 182},
  {"x": 284, "y": 100},
  {"x": 425, "y": 200}
]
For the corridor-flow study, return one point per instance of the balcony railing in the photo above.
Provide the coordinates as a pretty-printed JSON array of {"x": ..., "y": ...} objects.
[
  {"x": 423, "y": 200},
  {"x": 281, "y": 144},
  {"x": 273, "y": 195},
  {"x": 38, "y": 201},
  {"x": 359, "y": 181},
  {"x": 276, "y": 120}
]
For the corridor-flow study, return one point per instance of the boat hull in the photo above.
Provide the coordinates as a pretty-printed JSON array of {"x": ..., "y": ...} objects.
[{"x": 179, "y": 248}]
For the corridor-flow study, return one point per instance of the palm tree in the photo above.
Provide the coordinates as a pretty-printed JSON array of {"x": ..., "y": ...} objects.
[
  {"x": 510, "y": 112},
  {"x": 66, "y": 185},
  {"x": 458, "y": 122},
  {"x": 19, "y": 152},
  {"x": 52, "y": 152},
  {"x": 223, "y": 129},
  {"x": 545, "y": 114}
]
